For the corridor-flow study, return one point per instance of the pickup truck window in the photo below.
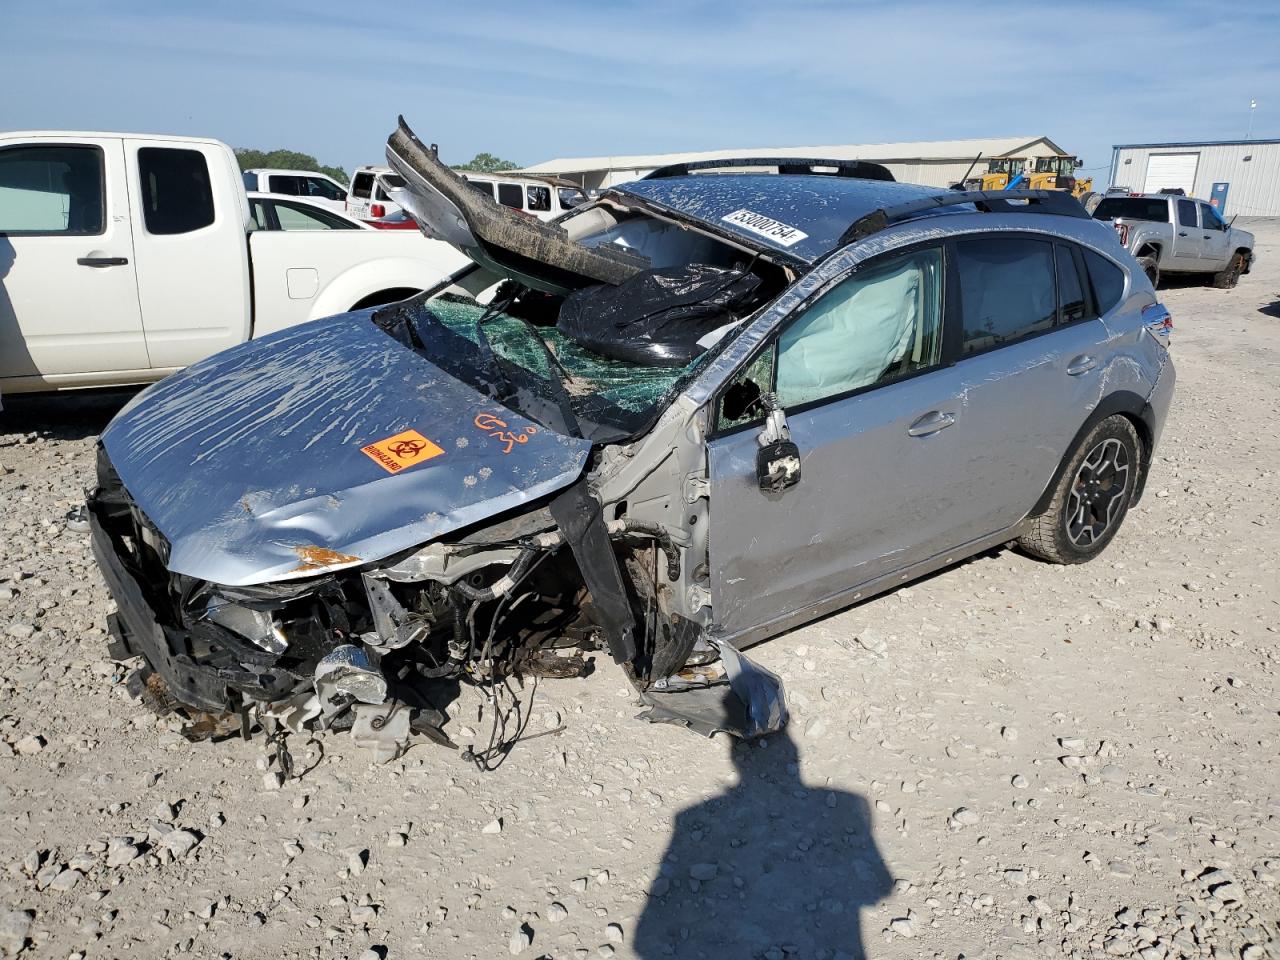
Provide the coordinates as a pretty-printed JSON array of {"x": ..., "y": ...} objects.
[
  {"x": 1006, "y": 290},
  {"x": 1209, "y": 218},
  {"x": 1186, "y": 213},
  {"x": 362, "y": 186},
  {"x": 1133, "y": 208},
  {"x": 176, "y": 195},
  {"x": 250, "y": 180},
  {"x": 319, "y": 187},
  {"x": 288, "y": 185},
  {"x": 51, "y": 191}
]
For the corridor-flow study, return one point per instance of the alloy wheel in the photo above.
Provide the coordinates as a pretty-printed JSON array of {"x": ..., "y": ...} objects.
[{"x": 1097, "y": 493}]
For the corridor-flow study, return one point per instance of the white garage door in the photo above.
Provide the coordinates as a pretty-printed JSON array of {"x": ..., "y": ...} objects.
[{"x": 1167, "y": 170}]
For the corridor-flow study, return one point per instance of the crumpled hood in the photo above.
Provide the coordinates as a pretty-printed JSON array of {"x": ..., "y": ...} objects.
[{"x": 325, "y": 445}]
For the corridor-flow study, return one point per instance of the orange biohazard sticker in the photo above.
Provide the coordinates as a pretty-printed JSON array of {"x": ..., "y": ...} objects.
[{"x": 403, "y": 450}]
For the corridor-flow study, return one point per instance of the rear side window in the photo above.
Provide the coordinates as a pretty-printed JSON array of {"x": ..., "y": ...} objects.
[
  {"x": 362, "y": 186},
  {"x": 1006, "y": 290},
  {"x": 250, "y": 180},
  {"x": 482, "y": 186},
  {"x": 511, "y": 195},
  {"x": 540, "y": 199},
  {"x": 1107, "y": 280},
  {"x": 1186, "y": 213},
  {"x": 176, "y": 195},
  {"x": 51, "y": 191}
]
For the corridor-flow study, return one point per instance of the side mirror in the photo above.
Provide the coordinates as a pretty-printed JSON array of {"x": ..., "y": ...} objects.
[{"x": 778, "y": 459}]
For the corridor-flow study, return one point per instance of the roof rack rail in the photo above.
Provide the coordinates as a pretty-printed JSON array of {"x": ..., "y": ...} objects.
[
  {"x": 1058, "y": 202},
  {"x": 787, "y": 166}
]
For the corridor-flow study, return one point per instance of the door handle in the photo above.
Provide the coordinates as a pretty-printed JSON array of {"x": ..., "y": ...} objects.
[
  {"x": 1081, "y": 364},
  {"x": 931, "y": 423},
  {"x": 1182, "y": 233},
  {"x": 102, "y": 261}
]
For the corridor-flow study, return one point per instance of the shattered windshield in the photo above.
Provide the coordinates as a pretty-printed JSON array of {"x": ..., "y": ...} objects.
[{"x": 610, "y": 399}]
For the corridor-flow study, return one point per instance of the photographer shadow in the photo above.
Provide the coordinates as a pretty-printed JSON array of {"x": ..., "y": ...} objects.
[{"x": 769, "y": 868}]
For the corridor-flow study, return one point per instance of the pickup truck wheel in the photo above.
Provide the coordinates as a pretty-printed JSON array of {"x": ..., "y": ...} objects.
[
  {"x": 1091, "y": 498},
  {"x": 1229, "y": 276},
  {"x": 1151, "y": 268}
]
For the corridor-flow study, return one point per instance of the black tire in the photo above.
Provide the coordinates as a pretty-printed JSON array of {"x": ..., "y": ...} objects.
[
  {"x": 1151, "y": 267},
  {"x": 1229, "y": 276},
  {"x": 1092, "y": 496}
]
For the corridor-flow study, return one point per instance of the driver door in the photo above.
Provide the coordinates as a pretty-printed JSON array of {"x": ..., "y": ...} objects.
[{"x": 869, "y": 408}]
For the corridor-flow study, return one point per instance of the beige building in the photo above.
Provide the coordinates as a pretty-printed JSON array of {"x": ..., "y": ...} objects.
[{"x": 936, "y": 163}]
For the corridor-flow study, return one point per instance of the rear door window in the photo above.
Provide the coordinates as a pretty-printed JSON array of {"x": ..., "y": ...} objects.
[
  {"x": 511, "y": 195},
  {"x": 1007, "y": 290},
  {"x": 1186, "y": 213},
  {"x": 176, "y": 194},
  {"x": 51, "y": 191},
  {"x": 1073, "y": 306}
]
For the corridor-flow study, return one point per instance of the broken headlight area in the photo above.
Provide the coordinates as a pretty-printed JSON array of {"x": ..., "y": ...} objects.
[{"x": 382, "y": 649}]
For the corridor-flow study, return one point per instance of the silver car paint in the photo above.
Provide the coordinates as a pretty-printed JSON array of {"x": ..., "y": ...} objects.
[
  {"x": 740, "y": 519},
  {"x": 224, "y": 458}
]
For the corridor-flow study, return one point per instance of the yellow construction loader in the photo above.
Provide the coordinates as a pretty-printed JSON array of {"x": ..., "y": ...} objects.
[{"x": 1032, "y": 173}]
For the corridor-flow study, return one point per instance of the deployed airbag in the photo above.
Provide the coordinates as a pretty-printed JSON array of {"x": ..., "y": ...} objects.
[{"x": 658, "y": 316}]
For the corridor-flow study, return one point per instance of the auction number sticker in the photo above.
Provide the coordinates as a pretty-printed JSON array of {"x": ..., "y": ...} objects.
[
  {"x": 407, "y": 449},
  {"x": 496, "y": 427},
  {"x": 783, "y": 234}
]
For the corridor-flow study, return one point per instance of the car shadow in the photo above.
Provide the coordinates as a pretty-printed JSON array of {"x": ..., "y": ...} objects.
[
  {"x": 73, "y": 415},
  {"x": 1271, "y": 310},
  {"x": 770, "y": 867}
]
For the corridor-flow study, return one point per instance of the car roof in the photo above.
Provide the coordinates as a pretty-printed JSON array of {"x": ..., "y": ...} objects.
[{"x": 821, "y": 207}]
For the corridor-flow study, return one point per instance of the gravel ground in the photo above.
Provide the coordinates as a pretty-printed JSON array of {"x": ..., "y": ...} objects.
[{"x": 1007, "y": 759}]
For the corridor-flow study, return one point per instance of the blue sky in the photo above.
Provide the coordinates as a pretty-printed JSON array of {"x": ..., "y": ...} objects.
[{"x": 576, "y": 77}]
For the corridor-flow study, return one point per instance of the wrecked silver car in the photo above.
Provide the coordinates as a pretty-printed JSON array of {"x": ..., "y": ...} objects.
[{"x": 691, "y": 414}]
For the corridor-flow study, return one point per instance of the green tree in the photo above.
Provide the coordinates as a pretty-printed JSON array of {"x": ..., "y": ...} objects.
[
  {"x": 250, "y": 159},
  {"x": 487, "y": 163}
]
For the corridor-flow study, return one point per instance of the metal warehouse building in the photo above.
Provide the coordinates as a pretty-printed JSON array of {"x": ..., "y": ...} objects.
[
  {"x": 1238, "y": 176},
  {"x": 938, "y": 163}
]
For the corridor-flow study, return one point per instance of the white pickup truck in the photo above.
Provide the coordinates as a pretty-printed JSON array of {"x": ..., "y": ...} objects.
[{"x": 126, "y": 257}]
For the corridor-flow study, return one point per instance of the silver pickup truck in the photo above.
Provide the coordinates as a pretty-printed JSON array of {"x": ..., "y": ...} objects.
[{"x": 1168, "y": 233}]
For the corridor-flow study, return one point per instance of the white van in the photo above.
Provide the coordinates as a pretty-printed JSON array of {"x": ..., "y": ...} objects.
[
  {"x": 368, "y": 199},
  {"x": 541, "y": 197},
  {"x": 316, "y": 187}
]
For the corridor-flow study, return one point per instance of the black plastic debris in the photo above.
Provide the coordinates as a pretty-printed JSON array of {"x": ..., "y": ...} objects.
[
  {"x": 735, "y": 696},
  {"x": 658, "y": 316}
]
